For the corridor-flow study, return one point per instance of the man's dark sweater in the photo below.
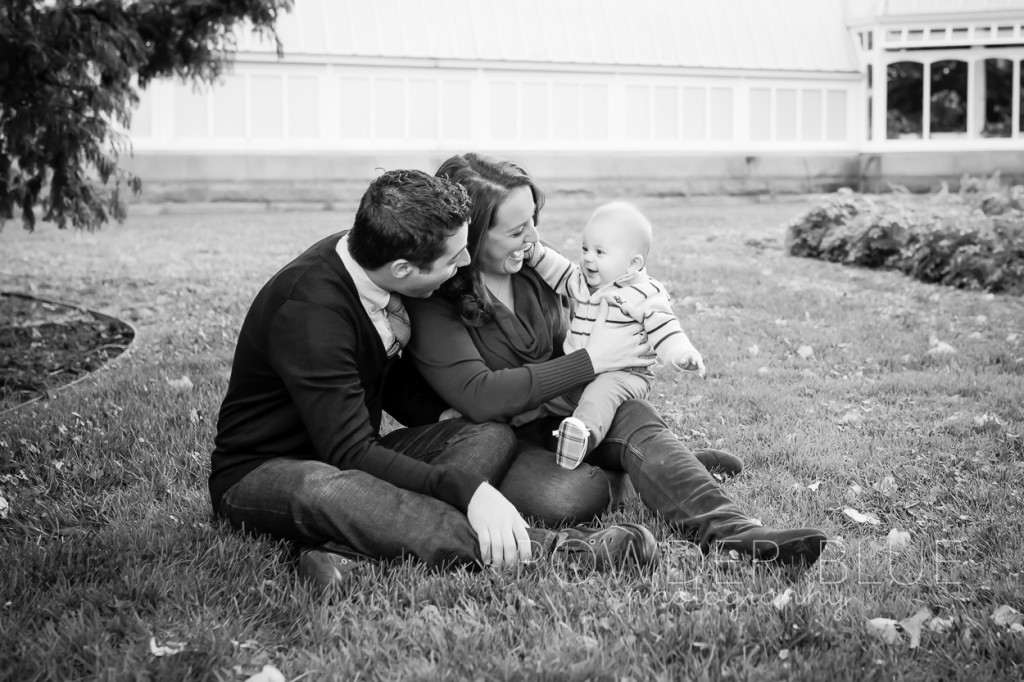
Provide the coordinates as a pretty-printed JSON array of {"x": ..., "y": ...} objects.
[{"x": 309, "y": 380}]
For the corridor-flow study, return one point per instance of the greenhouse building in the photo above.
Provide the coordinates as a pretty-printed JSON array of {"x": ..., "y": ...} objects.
[{"x": 662, "y": 96}]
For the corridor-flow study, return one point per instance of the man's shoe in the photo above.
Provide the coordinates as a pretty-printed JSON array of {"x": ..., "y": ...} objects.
[
  {"x": 330, "y": 568},
  {"x": 719, "y": 462},
  {"x": 603, "y": 548},
  {"x": 793, "y": 547},
  {"x": 573, "y": 443}
]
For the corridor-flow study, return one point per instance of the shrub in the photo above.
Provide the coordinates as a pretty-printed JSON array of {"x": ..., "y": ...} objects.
[{"x": 973, "y": 239}]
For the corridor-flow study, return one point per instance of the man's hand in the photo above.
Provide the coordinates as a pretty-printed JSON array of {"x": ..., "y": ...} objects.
[
  {"x": 614, "y": 347},
  {"x": 499, "y": 528}
]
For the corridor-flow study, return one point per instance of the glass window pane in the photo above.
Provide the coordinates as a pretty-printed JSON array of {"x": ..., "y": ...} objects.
[
  {"x": 871, "y": 102},
  {"x": 760, "y": 114},
  {"x": 836, "y": 115},
  {"x": 721, "y": 114},
  {"x": 810, "y": 115},
  {"x": 303, "y": 107},
  {"x": 354, "y": 116},
  {"x": 189, "y": 111},
  {"x": 785, "y": 114},
  {"x": 267, "y": 106},
  {"x": 695, "y": 117},
  {"x": 997, "y": 86},
  {"x": 595, "y": 112},
  {"x": 455, "y": 103},
  {"x": 423, "y": 109},
  {"x": 638, "y": 112},
  {"x": 142, "y": 117},
  {"x": 565, "y": 111},
  {"x": 905, "y": 87},
  {"x": 666, "y": 113},
  {"x": 229, "y": 107},
  {"x": 948, "y": 111},
  {"x": 503, "y": 111},
  {"x": 389, "y": 108},
  {"x": 535, "y": 111},
  {"x": 1020, "y": 103}
]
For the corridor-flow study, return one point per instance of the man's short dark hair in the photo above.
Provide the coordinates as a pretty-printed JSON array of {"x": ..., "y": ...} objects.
[{"x": 406, "y": 214}]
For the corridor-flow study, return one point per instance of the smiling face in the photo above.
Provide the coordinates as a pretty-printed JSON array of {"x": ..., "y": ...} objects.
[
  {"x": 610, "y": 250},
  {"x": 502, "y": 250},
  {"x": 421, "y": 283}
]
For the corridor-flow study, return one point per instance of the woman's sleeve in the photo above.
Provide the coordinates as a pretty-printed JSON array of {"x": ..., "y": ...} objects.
[{"x": 450, "y": 362}]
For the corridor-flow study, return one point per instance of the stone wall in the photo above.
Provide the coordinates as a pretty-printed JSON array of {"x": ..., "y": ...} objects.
[{"x": 334, "y": 177}]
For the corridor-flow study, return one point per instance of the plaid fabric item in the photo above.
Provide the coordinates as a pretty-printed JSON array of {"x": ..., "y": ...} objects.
[
  {"x": 398, "y": 319},
  {"x": 573, "y": 443}
]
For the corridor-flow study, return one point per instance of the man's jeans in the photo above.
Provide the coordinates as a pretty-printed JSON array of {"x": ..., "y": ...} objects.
[
  {"x": 665, "y": 474},
  {"x": 314, "y": 503}
]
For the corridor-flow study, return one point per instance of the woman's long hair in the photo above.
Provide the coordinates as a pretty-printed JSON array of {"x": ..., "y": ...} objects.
[{"x": 488, "y": 181}]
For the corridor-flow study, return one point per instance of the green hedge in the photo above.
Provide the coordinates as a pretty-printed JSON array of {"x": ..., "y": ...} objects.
[{"x": 973, "y": 239}]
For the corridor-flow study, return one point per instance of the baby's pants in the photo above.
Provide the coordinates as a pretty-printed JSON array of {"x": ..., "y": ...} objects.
[{"x": 599, "y": 400}]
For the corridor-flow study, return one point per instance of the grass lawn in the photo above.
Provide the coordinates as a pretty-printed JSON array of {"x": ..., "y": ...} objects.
[{"x": 831, "y": 382}]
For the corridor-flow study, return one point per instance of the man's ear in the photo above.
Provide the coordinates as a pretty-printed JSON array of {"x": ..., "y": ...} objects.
[
  {"x": 636, "y": 264},
  {"x": 400, "y": 269}
]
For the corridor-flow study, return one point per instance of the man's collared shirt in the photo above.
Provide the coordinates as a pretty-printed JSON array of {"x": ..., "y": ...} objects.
[{"x": 373, "y": 298}]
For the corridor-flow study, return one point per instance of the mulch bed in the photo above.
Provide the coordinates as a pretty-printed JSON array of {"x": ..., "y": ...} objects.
[{"x": 46, "y": 344}]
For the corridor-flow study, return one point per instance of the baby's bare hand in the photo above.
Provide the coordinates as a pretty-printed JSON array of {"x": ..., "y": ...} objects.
[{"x": 691, "y": 362}]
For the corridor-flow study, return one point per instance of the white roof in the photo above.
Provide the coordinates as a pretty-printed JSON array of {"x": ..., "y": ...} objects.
[
  {"x": 888, "y": 10},
  {"x": 797, "y": 35}
]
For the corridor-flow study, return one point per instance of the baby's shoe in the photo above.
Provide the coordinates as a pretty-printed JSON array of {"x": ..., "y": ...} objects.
[{"x": 573, "y": 443}]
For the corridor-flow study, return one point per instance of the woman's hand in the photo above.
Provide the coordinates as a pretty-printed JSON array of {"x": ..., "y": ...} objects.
[
  {"x": 499, "y": 528},
  {"x": 614, "y": 347}
]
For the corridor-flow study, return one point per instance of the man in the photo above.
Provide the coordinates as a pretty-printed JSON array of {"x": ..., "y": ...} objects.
[{"x": 298, "y": 453}]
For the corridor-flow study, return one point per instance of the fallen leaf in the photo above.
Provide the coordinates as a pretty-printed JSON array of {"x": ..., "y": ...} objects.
[
  {"x": 986, "y": 419},
  {"x": 783, "y": 654},
  {"x": 168, "y": 649},
  {"x": 854, "y": 490},
  {"x": 813, "y": 487},
  {"x": 182, "y": 384},
  {"x": 941, "y": 348},
  {"x": 754, "y": 351},
  {"x": 268, "y": 674},
  {"x": 806, "y": 352},
  {"x": 897, "y": 540},
  {"x": 851, "y": 419},
  {"x": 1007, "y": 615},
  {"x": 861, "y": 518},
  {"x": 884, "y": 628},
  {"x": 912, "y": 626},
  {"x": 940, "y": 625},
  {"x": 781, "y": 601},
  {"x": 1012, "y": 338},
  {"x": 5, "y": 507},
  {"x": 887, "y": 486}
]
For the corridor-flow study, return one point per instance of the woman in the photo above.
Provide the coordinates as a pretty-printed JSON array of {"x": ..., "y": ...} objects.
[{"x": 489, "y": 342}]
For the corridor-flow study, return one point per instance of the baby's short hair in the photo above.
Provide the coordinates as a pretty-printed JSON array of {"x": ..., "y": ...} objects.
[{"x": 632, "y": 219}]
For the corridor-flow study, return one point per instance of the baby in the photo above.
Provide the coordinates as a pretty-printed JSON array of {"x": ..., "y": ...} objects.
[{"x": 611, "y": 274}]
